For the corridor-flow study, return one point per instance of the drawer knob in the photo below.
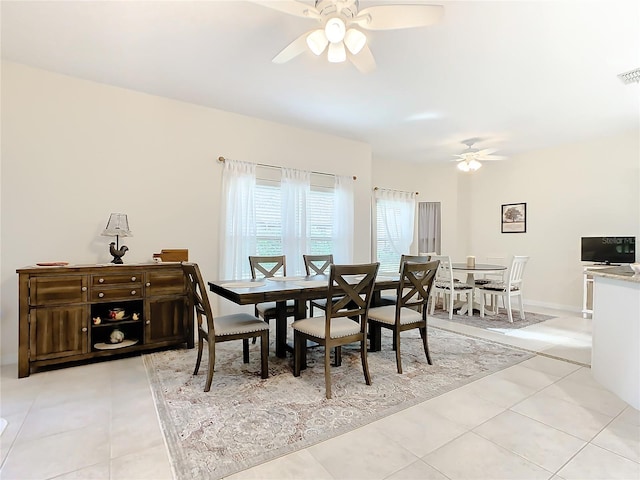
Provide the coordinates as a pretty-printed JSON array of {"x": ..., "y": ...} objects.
[
  {"x": 84, "y": 289},
  {"x": 148, "y": 284},
  {"x": 101, "y": 294},
  {"x": 101, "y": 280},
  {"x": 133, "y": 279},
  {"x": 133, "y": 292},
  {"x": 148, "y": 322},
  {"x": 84, "y": 329}
]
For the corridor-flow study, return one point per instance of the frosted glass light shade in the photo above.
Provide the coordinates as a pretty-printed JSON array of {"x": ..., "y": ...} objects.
[
  {"x": 355, "y": 40},
  {"x": 317, "y": 41},
  {"x": 337, "y": 53},
  {"x": 469, "y": 165},
  {"x": 118, "y": 225},
  {"x": 335, "y": 30}
]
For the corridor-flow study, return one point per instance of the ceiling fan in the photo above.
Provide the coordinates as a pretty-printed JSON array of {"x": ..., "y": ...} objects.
[
  {"x": 470, "y": 159},
  {"x": 341, "y": 24}
]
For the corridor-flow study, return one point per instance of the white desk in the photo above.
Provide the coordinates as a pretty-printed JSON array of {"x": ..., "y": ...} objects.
[{"x": 482, "y": 268}]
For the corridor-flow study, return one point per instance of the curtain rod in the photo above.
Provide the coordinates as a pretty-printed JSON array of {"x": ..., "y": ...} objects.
[
  {"x": 222, "y": 160},
  {"x": 392, "y": 190}
]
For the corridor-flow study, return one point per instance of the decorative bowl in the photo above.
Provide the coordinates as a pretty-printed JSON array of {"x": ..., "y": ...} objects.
[{"x": 636, "y": 268}]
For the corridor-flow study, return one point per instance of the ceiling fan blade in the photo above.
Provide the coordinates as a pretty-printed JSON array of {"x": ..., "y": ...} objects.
[
  {"x": 364, "y": 60},
  {"x": 291, "y": 7},
  {"x": 486, "y": 151},
  {"x": 292, "y": 50},
  {"x": 389, "y": 17},
  {"x": 492, "y": 157}
]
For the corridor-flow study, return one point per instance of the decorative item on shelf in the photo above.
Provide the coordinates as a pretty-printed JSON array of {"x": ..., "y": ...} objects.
[
  {"x": 116, "y": 336},
  {"x": 117, "y": 226},
  {"x": 471, "y": 261},
  {"x": 97, "y": 320},
  {"x": 135, "y": 316},
  {"x": 116, "y": 313}
]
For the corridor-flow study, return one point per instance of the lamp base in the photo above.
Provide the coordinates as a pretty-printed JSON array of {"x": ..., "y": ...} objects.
[{"x": 117, "y": 253}]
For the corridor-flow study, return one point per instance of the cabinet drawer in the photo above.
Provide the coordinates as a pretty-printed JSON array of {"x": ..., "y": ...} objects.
[
  {"x": 117, "y": 279},
  {"x": 58, "y": 290},
  {"x": 128, "y": 292},
  {"x": 165, "y": 283}
]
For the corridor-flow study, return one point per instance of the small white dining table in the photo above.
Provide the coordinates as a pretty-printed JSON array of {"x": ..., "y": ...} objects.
[{"x": 471, "y": 271}]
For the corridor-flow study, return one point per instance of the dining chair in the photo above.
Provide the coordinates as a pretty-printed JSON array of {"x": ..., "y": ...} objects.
[
  {"x": 391, "y": 299},
  {"x": 506, "y": 290},
  {"x": 340, "y": 325},
  {"x": 445, "y": 285},
  {"x": 317, "y": 265},
  {"x": 266, "y": 267},
  {"x": 492, "y": 277},
  {"x": 410, "y": 310},
  {"x": 237, "y": 326}
]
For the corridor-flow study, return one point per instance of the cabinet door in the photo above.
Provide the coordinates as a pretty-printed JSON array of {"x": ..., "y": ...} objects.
[
  {"x": 57, "y": 332},
  {"x": 165, "y": 319}
]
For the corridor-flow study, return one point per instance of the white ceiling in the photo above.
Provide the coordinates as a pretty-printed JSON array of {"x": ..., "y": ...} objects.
[{"x": 522, "y": 75}]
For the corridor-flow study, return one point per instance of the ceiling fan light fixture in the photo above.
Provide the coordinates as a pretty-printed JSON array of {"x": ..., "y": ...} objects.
[
  {"x": 337, "y": 53},
  {"x": 335, "y": 29},
  {"x": 469, "y": 165},
  {"x": 355, "y": 40},
  {"x": 317, "y": 41}
]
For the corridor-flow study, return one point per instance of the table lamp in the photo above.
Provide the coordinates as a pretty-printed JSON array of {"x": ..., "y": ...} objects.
[{"x": 117, "y": 226}]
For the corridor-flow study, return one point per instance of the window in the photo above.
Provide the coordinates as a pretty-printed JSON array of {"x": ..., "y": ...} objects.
[
  {"x": 319, "y": 224},
  {"x": 395, "y": 218}
]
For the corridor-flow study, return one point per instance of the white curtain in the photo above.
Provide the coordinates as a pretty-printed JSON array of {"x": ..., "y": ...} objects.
[
  {"x": 429, "y": 227},
  {"x": 296, "y": 185},
  {"x": 342, "y": 228},
  {"x": 238, "y": 232},
  {"x": 396, "y": 212}
]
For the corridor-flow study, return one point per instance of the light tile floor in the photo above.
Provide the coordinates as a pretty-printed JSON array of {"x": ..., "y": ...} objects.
[{"x": 544, "y": 418}]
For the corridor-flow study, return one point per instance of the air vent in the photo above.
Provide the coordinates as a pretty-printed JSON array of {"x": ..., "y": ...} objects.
[{"x": 630, "y": 77}]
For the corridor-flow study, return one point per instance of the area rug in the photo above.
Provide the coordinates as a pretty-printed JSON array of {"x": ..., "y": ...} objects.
[
  {"x": 497, "y": 322},
  {"x": 245, "y": 420}
]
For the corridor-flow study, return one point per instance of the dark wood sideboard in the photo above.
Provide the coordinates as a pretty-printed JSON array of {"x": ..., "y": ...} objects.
[{"x": 59, "y": 307}]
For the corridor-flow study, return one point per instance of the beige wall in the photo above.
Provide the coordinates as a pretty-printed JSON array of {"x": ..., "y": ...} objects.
[
  {"x": 590, "y": 188},
  {"x": 74, "y": 151}
]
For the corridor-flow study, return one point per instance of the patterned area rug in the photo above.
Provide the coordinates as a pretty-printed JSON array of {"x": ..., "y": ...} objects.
[
  {"x": 244, "y": 420},
  {"x": 497, "y": 322}
]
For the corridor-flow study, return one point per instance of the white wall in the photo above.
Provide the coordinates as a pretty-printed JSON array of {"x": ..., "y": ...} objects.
[
  {"x": 74, "y": 151},
  {"x": 590, "y": 188}
]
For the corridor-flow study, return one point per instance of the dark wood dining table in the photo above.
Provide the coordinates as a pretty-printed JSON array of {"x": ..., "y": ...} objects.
[{"x": 280, "y": 289}]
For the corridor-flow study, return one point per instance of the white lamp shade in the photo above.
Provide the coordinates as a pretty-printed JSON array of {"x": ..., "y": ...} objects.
[
  {"x": 337, "y": 52},
  {"x": 463, "y": 166},
  {"x": 118, "y": 225},
  {"x": 317, "y": 41},
  {"x": 335, "y": 30},
  {"x": 474, "y": 165},
  {"x": 355, "y": 40}
]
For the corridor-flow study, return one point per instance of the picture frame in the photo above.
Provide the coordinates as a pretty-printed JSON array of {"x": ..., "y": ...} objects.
[{"x": 514, "y": 218}]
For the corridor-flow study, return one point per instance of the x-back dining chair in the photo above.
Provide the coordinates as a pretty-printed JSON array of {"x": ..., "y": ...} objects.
[
  {"x": 266, "y": 267},
  {"x": 391, "y": 299},
  {"x": 511, "y": 288},
  {"x": 317, "y": 265},
  {"x": 410, "y": 310},
  {"x": 354, "y": 284},
  {"x": 238, "y": 326},
  {"x": 445, "y": 285}
]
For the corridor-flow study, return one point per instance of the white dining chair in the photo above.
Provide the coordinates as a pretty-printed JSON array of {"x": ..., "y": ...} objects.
[
  {"x": 492, "y": 277},
  {"x": 445, "y": 285},
  {"x": 508, "y": 289}
]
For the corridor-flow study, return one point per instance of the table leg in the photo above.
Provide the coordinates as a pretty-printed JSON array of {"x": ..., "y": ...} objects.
[{"x": 281, "y": 329}]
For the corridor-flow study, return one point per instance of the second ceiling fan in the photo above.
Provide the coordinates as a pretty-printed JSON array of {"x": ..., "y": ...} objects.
[{"x": 341, "y": 24}]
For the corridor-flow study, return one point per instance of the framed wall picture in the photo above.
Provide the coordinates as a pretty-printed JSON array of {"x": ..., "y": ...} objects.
[{"x": 514, "y": 218}]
